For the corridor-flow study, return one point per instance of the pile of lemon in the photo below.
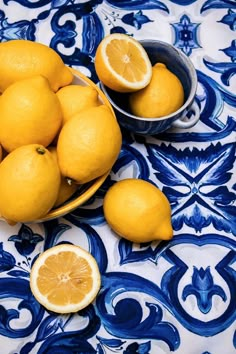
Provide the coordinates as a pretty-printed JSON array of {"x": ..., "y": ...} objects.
[{"x": 51, "y": 132}]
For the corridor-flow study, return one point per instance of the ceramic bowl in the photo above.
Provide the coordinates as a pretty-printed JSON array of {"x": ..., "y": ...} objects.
[{"x": 181, "y": 65}]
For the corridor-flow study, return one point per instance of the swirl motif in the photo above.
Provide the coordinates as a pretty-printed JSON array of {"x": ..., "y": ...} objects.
[
  {"x": 18, "y": 288},
  {"x": 217, "y": 4},
  {"x": 30, "y": 4},
  {"x": 141, "y": 5},
  {"x": 122, "y": 315},
  {"x": 127, "y": 321}
]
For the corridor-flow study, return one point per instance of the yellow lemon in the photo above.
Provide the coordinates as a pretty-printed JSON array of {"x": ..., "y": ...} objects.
[
  {"x": 161, "y": 97},
  {"x": 65, "y": 278},
  {"x": 138, "y": 211},
  {"x": 75, "y": 98},
  {"x": 89, "y": 144},
  {"x": 122, "y": 63},
  {"x": 30, "y": 113},
  {"x": 67, "y": 187},
  {"x": 20, "y": 59},
  {"x": 29, "y": 183}
]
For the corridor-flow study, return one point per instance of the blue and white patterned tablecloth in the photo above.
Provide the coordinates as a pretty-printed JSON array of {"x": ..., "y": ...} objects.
[{"x": 176, "y": 297}]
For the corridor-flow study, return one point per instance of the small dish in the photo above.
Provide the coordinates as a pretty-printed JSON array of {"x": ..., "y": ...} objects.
[{"x": 181, "y": 65}]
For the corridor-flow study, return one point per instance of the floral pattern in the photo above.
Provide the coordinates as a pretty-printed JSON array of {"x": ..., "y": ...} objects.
[
  {"x": 186, "y": 35},
  {"x": 155, "y": 297}
]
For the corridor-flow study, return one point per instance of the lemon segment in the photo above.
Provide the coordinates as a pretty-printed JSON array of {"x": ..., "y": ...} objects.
[
  {"x": 65, "y": 278},
  {"x": 138, "y": 211},
  {"x": 122, "y": 63}
]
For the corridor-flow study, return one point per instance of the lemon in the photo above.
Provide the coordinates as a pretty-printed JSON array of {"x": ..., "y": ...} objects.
[
  {"x": 75, "y": 98},
  {"x": 30, "y": 113},
  {"x": 122, "y": 63},
  {"x": 138, "y": 211},
  {"x": 65, "y": 278},
  {"x": 29, "y": 183},
  {"x": 67, "y": 188},
  {"x": 20, "y": 59},
  {"x": 89, "y": 144},
  {"x": 161, "y": 97}
]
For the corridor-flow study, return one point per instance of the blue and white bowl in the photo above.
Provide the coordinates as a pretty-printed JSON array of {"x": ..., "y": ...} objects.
[{"x": 185, "y": 117}]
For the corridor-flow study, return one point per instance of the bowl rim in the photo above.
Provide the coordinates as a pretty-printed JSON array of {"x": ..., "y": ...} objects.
[
  {"x": 186, "y": 104},
  {"x": 73, "y": 204}
]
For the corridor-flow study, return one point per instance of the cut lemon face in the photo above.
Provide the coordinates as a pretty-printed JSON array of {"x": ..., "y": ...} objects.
[
  {"x": 122, "y": 63},
  {"x": 65, "y": 278}
]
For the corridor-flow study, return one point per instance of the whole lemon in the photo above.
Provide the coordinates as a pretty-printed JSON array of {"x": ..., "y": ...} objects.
[
  {"x": 89, "y": 144},
  {"x": 30, "y": 113},
  {"x": 67, "y": 188},
  {"x": 29, "y": 183},
  {"x": 75, "y": 98},
  {"x": 161, "y": 97},
  {"x": 138, "y": 211},
  {"x": 20, "y": 59}
]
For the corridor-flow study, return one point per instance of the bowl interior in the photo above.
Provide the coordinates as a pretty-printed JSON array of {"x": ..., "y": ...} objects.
[{"x": 175, "y": 60}]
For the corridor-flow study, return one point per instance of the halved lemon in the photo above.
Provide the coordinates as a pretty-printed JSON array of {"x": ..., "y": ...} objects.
[
  {"x": 65, "y": 278},
  {"x": 122, "y": 63}
]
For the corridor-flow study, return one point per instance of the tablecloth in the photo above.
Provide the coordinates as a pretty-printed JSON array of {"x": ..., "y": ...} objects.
[{"x": 160, "y": 297}]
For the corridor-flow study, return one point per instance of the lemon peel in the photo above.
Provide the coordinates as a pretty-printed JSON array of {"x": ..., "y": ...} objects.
[{"x": 138, "y": 211}]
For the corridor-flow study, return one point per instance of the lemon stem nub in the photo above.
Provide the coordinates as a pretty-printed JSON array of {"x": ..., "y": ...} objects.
[
  {"x": 69, "y": 181},
  {"x": 40, "y": 150}
]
